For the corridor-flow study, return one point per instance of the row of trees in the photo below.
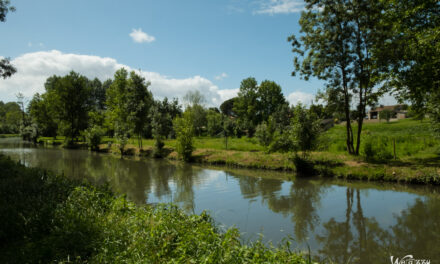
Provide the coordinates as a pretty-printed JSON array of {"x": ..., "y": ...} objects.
[{"x": 123, "y": 107}]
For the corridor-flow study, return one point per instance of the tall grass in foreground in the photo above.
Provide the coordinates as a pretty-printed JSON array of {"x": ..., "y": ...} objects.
[{"x": 48, "y": 218}]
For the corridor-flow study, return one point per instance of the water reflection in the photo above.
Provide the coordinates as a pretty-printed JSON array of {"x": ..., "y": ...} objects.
[{"x": 341, "y": 222}]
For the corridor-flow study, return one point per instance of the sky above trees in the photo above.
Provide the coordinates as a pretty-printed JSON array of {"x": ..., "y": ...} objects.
[{"x": 179, "y": 46}]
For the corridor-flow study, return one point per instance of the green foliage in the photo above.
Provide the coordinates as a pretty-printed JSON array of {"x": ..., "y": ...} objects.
[
  {"x": 69, "y": 99},
  {"x": 41, "y": 113},
  {"x": 386, "y": 114},
  {"x": 122, "y": 136},
  {"x": 281, "y": 142},
  {"x": 199, "y": 117},
  {"x": 305, "y": 130},
  {"x": 30, "y": 133},
  {"x": 139, "y": 101},
  {"x": 264, "y": 134},
  {"x": 227, "y": 107},
  {"x": 184, "y": 127},
  {"x": 377, "y": 150},
  {"x": 214, "y": 123},
  {"x": 94, "y": 136},
  {"x": 255, "y": 104},
  {"x": 48, "y": 219},
  {"x": 337, "y": 45},
  {"x": 10, "y": 118}
]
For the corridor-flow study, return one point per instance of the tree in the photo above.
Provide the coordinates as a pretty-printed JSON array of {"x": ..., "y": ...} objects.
[
  {"x": 158, "y": 124},
  {"x": 192, "y": 98},
  {"x": 227, "y": 107},
  {"x": 411, "y": 54},
  {"x": 337, "y": 46},
  {"x": 184, "y": 131},
  {"x": 270, "y": 99},
  {"x": 71, "y": 100},
  {"x": 194, "y": 101},
  {"x": 139, "y": 101},
  {"x": 116, "y": 101},
  {"x": 41, "y": 115},
  {"x": 246, "y": 105},
  {"x": 214, "y": 122},
  {"x": 6, "y": 68}
]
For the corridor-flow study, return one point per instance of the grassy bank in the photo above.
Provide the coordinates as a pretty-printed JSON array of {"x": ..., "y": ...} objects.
[
  {"x": 48, "y": 218},
  {"x": 9, "y": 135},
  {"x": 404, "y": 151}
]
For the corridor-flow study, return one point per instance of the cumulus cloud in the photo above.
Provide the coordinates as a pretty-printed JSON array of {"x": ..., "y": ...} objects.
[
  {"x": 34, "y": 68},
  {"x": 139, "y": 36},
  {"x": 298, "y": 96},
  {"x": 221, "y": 76},
  {"x": 273, "y": 7}
]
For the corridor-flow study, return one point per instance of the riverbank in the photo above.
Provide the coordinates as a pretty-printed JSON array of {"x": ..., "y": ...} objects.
[
  {"x": 49, "y": 218},
  {"x": 405, "y": 151}
]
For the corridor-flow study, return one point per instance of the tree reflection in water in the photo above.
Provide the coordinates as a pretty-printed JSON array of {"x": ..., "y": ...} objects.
[{"x": 353, "y": 236}]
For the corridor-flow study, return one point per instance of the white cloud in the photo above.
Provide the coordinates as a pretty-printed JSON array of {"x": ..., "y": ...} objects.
[
  {"x": 226, "y": 94},
  {"x": 298, "y": 96},
  {"x": 221, "y": 76},
  {"x": 34, "y": 68},
  {"x": 272, "y": 7},
  {"x": 139, "y": 36}
]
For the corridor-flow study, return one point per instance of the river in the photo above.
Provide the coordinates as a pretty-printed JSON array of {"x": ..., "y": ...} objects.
[{"x": 338, "y": 221}]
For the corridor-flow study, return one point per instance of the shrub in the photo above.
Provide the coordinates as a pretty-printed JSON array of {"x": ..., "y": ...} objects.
[
  {"x": 280, "y": 143},
  {"x": 93, "y": 136},
  {"x": 263, "y": 134},
  {"x": 377, "y": 149},
  {"x": 184, "y": 131},
  {"x": 305, "y": 130}
]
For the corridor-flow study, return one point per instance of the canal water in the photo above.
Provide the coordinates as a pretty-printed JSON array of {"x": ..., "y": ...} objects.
[{"x": 336, "y": 221}]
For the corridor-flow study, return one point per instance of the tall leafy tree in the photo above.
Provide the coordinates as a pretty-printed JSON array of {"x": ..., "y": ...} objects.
[
  {"x": 41, "y": 115},
  {"x": 70, "y": 97},
  {"x": 139, "y": 101},
  {"x": 412, "y": 52},
  {"x": 246, "y": 104},
  {"x": 270, "y": 99},
  {"x": 336, "y": 46},
  {"x": 116, "y": 101}
]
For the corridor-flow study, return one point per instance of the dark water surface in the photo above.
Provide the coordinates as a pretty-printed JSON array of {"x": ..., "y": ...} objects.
[{"x": 341, "y": 222}]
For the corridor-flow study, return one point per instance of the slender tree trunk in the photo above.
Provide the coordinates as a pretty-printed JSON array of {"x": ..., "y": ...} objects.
[{"x": 349, "y": 130}]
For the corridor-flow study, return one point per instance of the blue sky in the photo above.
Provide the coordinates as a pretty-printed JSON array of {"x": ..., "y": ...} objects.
[{"x": 202, "y": 45}]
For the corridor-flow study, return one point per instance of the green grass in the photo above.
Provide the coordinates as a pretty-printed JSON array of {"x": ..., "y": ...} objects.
[
  {"x": 51, "y": 219},
  {"x": 412, "y": 137}
]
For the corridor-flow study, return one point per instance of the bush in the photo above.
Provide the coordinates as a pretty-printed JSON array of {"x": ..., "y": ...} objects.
[
  {"x": 280, "y": 143},
  {"x": 305, "y": 130},
  {"x": 93, "y": 136},
  {"x": 184, "y": 131},
  {"x": 263, "y": 134},
  {"x": 377, "y": 149}
]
